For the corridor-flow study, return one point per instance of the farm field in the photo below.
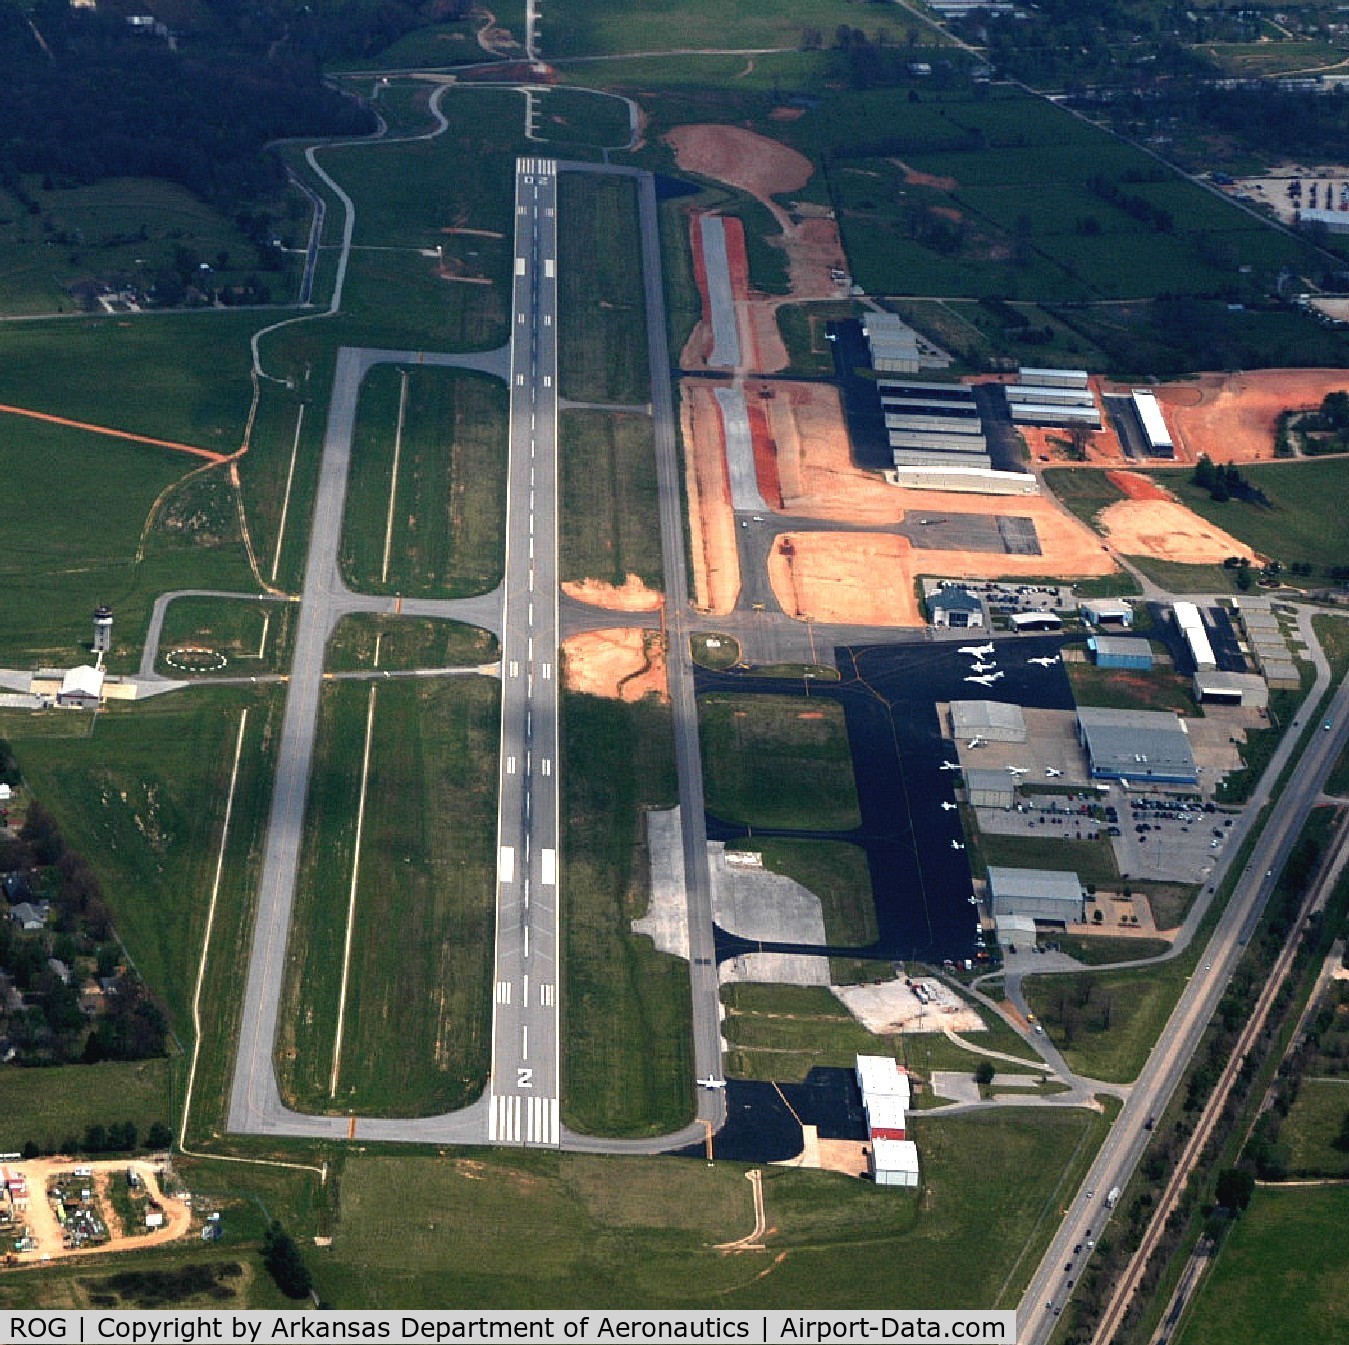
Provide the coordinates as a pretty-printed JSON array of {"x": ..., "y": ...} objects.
[
  {"x": 614, "y": 1231},
  {"x": 417, "y": 1008},
  {"x": 626, "y": 1013},
  {"x": 1276, "y": 1279},
  {"x": 777, "y": 761},
  {"x": 609, "y": 517},
  {"x": 448, "y": 510}
]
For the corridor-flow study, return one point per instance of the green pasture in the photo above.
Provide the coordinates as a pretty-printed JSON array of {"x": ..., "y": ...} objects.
[
  {"x": 117, "y": 233},
  {"x": 418, "y": 1005},
  {"x": 143, "y": 799},
  {"x": 252, "y": 637},
  {"x": 49, "y": 1106},
  {"x": 777, "y": 761},
  {"x": 448, "y": 536},
  {"x": 1278, "y": 1276},
  {"x": 602, "y": 353},
  {"x": 608, "y": 1231},
  {"x": 406, "y": 643},
  {"x": 609, "y": 520},
  {"x": 626, "y": 1012},
  {"x": 836, "y": 872}
]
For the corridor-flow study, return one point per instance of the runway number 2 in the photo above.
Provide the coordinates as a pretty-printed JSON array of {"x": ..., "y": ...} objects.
[{"x": 524, "y": 1077}]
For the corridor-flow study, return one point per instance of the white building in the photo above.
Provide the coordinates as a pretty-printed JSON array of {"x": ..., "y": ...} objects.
[
  {"x": 894, "y": 1162},
  {"x": 81, "y": 688}
]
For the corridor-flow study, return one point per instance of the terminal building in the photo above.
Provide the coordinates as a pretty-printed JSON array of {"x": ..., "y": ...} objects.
[
  {"x": 1148, "y": 746},
  {"x": 1047, "y": 895}
]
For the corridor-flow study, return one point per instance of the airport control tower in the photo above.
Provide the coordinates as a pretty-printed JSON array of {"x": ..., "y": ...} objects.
[{"x": 102, "y": 630}]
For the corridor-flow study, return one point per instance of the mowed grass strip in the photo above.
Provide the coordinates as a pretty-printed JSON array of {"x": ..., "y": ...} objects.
[
  {"x": 449, "y": 508},
  {"x": 777, "y": 761},
  {"x": 1279, "y": 1279},
  {"x": 610, "y": 521},
  {"x": 626, "y": 1011},
  {"x": 602, "y": 353},
  {"x": 613, "y": 1231},
  {"x": 252, "y": 637},
  {"x": 416, "y": 1038},
  {"x": 784, "y": 1031},
  {"x": 406, "y": 643},
  {"x": 836, "y": 872}
]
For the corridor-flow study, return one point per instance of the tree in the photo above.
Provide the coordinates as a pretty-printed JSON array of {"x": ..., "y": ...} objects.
[
  {"x": 983, "y": 1073},
  {"x": 159, "y": 1136},
  {"x": 1235, "y": 1188},
  {"x": 284, "y": 1263},
  {"x": 1341, "y": 1141}
]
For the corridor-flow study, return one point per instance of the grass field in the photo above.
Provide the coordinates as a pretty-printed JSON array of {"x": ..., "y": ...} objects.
[
  {"x": 578, "y": 118},
  {"x": 50, "y": 1105},
  {"x": 777, "y": 761},
  {"x": 142, "y": 799},
  {"x": 1092, "y": 861},
  {"x": 1304, "y": 522},
  {"x": 804, "y": 332},
  {"x": 1175, "y": 578},
  {"x": 448, "y": 536},
  {"x": 836, "y": 872},
  {"x": 416, "y": 1036},
  {"x": 252, "y": 637},
  {"x": 609, "y": 519},
  {"x": 1100, "y": 951},
  {"x": 617, "y": 1231},
  {"x": 1278, "y": 1278},
  {"x": 601, "y": 311},
  {"x": 626, "y": 1014},
  {"x": 1159, "y": 689},
  {"x": 1313, "y": 1124},
  {"x": 1086, "y": 491},
  {"x": 407, "y": 643}
]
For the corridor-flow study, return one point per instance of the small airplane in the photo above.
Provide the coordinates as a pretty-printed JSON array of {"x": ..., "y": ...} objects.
[
  {"x": 949, "y": 807},
  {"x": 972, "y": 899},
  {"x": 950, "y": 765},
  {"x": 977, "y": 741},
  {"x": 1047, "y": 662},
  {"x": 1016, "y": 770},
  {"x": 711, "y": 1082},
  {"x": 957, "y": 845},
  {"x": 976, "y": 650},
  {"x": 986, "y": 680},
  {"x": 982, "y": 667},
  {"x": 1052, "y": 772}
]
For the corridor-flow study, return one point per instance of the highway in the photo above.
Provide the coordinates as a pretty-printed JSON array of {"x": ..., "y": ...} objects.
[
  {"x": 1128, "y": 1137},
  {"x": 525, "y": 1076}
]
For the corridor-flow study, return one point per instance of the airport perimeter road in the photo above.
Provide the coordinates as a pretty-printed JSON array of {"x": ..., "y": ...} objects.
[
  {"x": 523, "y": 1092},
  {"x": 1123, "y": 1147}
]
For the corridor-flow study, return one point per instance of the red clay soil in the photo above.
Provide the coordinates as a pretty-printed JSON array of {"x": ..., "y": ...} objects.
[
  {"x": 1137, "y": 487},
  {"x": 765, "y": 452}
]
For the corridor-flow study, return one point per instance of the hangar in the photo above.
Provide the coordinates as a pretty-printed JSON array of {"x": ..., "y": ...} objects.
[
  {"x": 1146, "y": 745},
  {"x": 1042, "y": 894},
  {"x": 993, "y": 720},
  {"x": 1107, "y": 612},
  {"x": 1117, "y": 651},
  {"x": 990, "y": 789},
  {"x": 955, "y": 607},
  {"x": 1225, "y": 688}
]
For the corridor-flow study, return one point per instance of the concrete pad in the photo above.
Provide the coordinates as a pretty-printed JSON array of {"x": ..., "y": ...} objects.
[
  {"x": 891, "y": 1006},
  {"x": 758, "y": 904},
  {"x": 955, "y": 1087},
  {"x": 666, "y": 921},
  {"x": 775, "y": 969},
  {"x": 720, "y": 297},
  {"x": 1015, "y": 1081},
  {"x": 745, "y": 496}
]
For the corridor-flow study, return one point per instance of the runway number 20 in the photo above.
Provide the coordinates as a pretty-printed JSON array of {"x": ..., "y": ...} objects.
[{"x": 524, "y": 1077}]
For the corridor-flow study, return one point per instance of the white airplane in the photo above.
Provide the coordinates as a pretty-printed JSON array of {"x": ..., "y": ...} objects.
[
  {"x": 982, "y": 667},
  {"x": 1016, "y": 770},
  {"x": 977, "y": 741},
  {"x": 986, "y": 680},
  {"x": 711, "y": 1082},
  {"x": 976, "y": 650},
  {"x": 950, "y": 765},
  {"x": 1052, "y": 772},
  {"x": 949, "y": 807},
  {"x": 1048, "y": 662},
  {"x": 957, "y": 845},
  {"x": 972, "y": 899}
]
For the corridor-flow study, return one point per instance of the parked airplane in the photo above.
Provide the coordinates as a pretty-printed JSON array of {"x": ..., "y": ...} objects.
[
  {"x": 976, "y": 650},
  {"x": 950, "y": 765},
  {"x": 1047, "y": 662},
  {"x": 948, "y": 806},
  {"x": 711, "y": 1082},
  {"x": 986, "y": 680},
  {"x": 977, "y": 741},
  {"x": 1016, "y": 770},
  {"x": 957, "y": 845},
  {"x": 982, "y": 667},
  {"x": 1052, "y": 772}
]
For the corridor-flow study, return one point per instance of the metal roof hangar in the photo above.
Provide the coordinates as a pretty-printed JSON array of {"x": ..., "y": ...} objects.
[
  {"x": 1041, "y": 894},
  {"x": 994, "y": 720},
  {"x": 1145, "y": 745}
]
